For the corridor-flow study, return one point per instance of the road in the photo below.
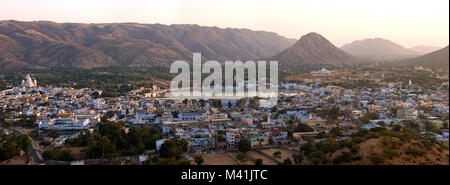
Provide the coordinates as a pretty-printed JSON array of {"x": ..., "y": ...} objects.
[{"x": 36, "y": 157}]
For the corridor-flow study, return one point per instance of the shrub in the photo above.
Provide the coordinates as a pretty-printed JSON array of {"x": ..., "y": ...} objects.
[
  {"x": 277, "y": 154},
  {"x": 370, "y": 135},
  {"x": 298, "y": 158},
  {"x": 258, "y": 162},
  {"x": 378, "y": 129},
  {"x": 390, "y": 143},
  {"x": 344, "y": 157},
  {"x": 377, "y": 158},
  {"x": 198, "y": 159},
  {"x": 390, "y": 153},
  {"x": 356, "y": 158},
  {"x": 360, "y": 133},
  {"x": 354, "y": 149},
  {"x": 428, "y": 144},
  {"x": 287, "y": 161},
  {"x": 241, "y": 156},
  {"x": 316, "y": 157},
  {"x": 345, "y": 143},
  {"x": 58, "y": 154},
  {"x": 327, "y": 161},
  {"x": 358, "y": 139},
  {"x": 415, "y": 151},
  {"x": 328, "y": 146}
]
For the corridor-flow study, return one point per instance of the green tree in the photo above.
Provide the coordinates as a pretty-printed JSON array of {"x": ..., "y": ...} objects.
[
  {"x": 58, "y": 154},
  {"x": 95, "y": 95},
  {"x": 23, "y": 142},
  {"x": 221, "y": 138},
  {"x": 369, "y": 116},
  {"x": 336, "y": 132},
  {"x": 8, "y": 150},
  {"x": 445, "y": 125},
  {"x": 321, "y": 135},
  {"x": 277, "y": 154},
  {"x": 170, "y": 149},
  {"x": 102, "y": 147},
  {"x": 308, "y": 139},
  {"x": 328, "y": 146},
  {"x": 301, "y": 127},
  {"x": 108, "y": 149},
  {"x": 244, "y": 145},
  {"x": 287, "y": 161},
  {"x": 198, "y": 159},
  {"x": 183, "y": 144},
  {"x": 258, "y": 162},
  {"x": 344, "y": 157},
  {"x": 298, "y": 158}
]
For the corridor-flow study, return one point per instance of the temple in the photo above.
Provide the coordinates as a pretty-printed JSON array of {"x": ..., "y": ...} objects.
[{"x": 28, "y": 82}]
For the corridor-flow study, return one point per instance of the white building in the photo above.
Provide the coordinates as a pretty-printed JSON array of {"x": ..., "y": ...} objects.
[
  {"x": 322, "y": 71},
  {"x": 64, "y": 124},
  {"x": 28, "y": 82}
]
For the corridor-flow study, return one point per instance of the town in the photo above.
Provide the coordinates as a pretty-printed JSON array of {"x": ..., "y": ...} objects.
[{"x": 319, "y": 119}]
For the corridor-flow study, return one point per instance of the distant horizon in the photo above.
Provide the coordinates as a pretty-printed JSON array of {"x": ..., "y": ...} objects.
[
  {"x": 339, "y": 46},
  {"x": 406, "y": 22}
]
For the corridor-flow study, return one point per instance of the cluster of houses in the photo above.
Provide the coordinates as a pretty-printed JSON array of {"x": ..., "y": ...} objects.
[{"x": 220, "y": 125}]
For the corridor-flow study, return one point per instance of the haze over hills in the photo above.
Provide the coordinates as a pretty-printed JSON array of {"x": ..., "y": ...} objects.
[
  {"x": 437, "y": 60},
  {"x": 378, "y": 49},
  {"x": 424, "y": 49},
  {"x": 376, "y": 46},
  {"x": 50, "y": 44},
  {"x": 313, "y": 49}
]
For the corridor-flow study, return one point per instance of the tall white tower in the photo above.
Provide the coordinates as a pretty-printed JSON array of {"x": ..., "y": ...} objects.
[{"x": 28, "y": 82}]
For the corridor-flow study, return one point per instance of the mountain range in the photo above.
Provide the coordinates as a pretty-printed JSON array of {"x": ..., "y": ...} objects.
[
  {"x": 424, "y": 49},
  {"x": 50, "y": 44},
  {"x": 377, "y": 46},
  {"x": 437, "y": 60},
  {"x": 379, "y": 49},
  {"x": 313, "y": 49}
]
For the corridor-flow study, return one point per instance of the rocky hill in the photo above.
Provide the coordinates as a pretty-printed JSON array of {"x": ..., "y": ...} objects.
[
  {"x": 50, "y": 44},
  {"x": 437, "y": 60},
  {"x": 378, "y": 146},
  {"x": 377, "y": 47},
  {"x": 313, "y": 49}
]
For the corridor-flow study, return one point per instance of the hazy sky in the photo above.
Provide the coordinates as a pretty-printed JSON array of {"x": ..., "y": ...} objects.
[{"x": 407, "y": 22}]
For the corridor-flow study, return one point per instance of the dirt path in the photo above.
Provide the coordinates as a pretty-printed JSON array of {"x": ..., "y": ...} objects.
[
  {"x": 218, "y": 159},
  {"x": 266, "y": 160}
]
